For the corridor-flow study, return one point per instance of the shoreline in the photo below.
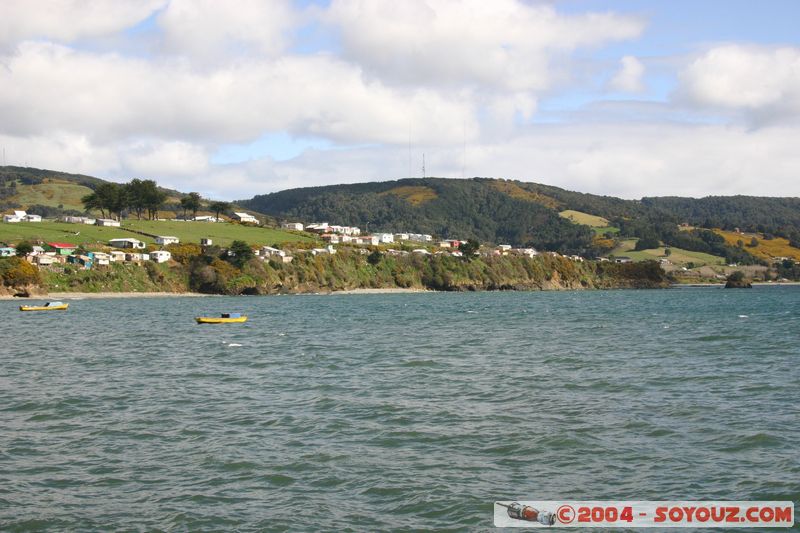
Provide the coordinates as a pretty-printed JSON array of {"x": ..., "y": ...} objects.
[
  {"x": 397, "y": 290},
  {"x": 101, "y": 295}
]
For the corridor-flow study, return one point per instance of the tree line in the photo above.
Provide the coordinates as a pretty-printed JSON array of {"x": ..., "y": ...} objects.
[{"x": 142, "y": 197}]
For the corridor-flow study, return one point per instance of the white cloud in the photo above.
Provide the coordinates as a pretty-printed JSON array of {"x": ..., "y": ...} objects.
[
  {"x": 214, "y": 30},
  {"x": 760, "y": 80},
  {"x": 67, "y": 20},
  {"x": 505, "y": 44},
  {"x": 629, "y": 76},
  {"x": 48, "y": 87},
  {"x": 630, "y": 160},
  {"x": 174, "y": 159}
]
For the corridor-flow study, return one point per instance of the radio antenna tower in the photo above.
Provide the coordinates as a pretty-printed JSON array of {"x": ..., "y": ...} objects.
[{"x": 423, "y": 164}]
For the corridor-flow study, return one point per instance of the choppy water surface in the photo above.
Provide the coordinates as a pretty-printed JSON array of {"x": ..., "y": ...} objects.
[{"x": 379, "y": 412}]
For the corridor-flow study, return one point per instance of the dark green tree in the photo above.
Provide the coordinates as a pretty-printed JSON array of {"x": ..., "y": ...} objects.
[
  {"x": 239, "y": 253},
  {"x": 190, "y": 202},
  {"x": 111, "y": 197},
  {"x": 137, "y": 196},
  {"x": 24, "y": 248},
  {"x": 469, "y": 248},
  {"x": 219, "y": 207},
  {"x": 92, "y": 201},
  {"x": 375, "y": 257}
]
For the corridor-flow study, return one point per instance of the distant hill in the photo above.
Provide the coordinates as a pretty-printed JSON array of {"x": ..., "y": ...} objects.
[
  {"x": 489, "y": 210},
  {"x": 523, "y": 213},
  {"x": 25, "y": 186}
]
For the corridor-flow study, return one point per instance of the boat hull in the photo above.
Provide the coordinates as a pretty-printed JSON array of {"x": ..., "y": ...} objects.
[
  {"x": 217, "y": 320},
  {"x": 43, "y": 308}
]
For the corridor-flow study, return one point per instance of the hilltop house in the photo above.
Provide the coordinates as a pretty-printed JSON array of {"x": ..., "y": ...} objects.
[
  {"x": 296, "y": 226},
  {"x": 164, "y": 240},
  {"x": 385, "y": 237},
  {"x": 78, "y": 220},
  {"x": 126, "y": 243},
  {"x": 18, "y": 216},
  {"x": 107, "y": 222},
  {"x": 245, "y": 217},
  {"x": 32, "y": 218},
  {"x": 8, "y": 251}
]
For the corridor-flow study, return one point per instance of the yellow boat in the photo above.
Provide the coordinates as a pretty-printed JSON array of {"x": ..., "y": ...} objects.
[
  {"x": 49, "y": 306},
  {"x": 226, "y": 318}
]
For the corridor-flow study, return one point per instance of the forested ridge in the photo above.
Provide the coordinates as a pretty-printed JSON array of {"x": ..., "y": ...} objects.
[{"x": 526, "y": 214}]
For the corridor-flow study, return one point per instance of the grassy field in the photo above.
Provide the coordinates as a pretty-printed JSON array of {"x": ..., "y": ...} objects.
[
  {"x": 766, "y": 249},
  {"x": 53, "y": 193},
  {"x": 414, "y": 195},
  {"x": 579, "y": 217},
  {"x": 515, "y": 191},
  {"x": 678, "y": 256},
  {"x": 221, "y": 233}
]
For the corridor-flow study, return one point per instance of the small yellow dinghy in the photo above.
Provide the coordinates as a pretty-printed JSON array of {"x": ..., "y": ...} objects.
[
  {"x": 49, "y": 306},
  {"x": 226, "y": 318}
]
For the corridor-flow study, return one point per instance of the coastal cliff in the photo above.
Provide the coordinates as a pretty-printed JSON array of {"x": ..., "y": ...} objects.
[{"x": 346, "y": 270}]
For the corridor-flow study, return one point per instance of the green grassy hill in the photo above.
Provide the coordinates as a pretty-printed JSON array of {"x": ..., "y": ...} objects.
[{"x": 222, "y": 233}]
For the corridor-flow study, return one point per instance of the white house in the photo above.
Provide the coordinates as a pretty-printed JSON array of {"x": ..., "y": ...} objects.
[
  {"x": 101, "y": 258},
  {"x": 107, "y": 222},
  {"x": 160, "y": 256},
  {"x": 33, "y": 218},
  {"x": 504, "y": 247},
  {"x": 77, "y": 220},
  {"x": 18, "y": 216},
  {"x": 367, "y": 239},
  {"x": 329, "y": 250},
  {"x": 245, "y": 217},
  {"x": 296, "y": 226},
  {"x": 269, "y": 251},
  {"x": 317, "y": 227},
  {"x": 530, "y": 252},
  {"x": 444, "y": 244},
  {"x": 126, "y": 243},
  {"x": 44, "y": 259},
  {"x": 401, "y": 236},
  {"x": 206, "y": 218},
  {"x": 206, "y": 242},
  {"x": 116, "y": 256},
  {"x": 167, "y": 239},
  {"x": 385, "y": 237},
  {"x": 331, "y": 238}
]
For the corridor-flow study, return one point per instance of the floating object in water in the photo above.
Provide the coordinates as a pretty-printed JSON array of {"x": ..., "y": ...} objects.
[
  {"x": 225, "y": 318},
  {"x": 49, "y": 306},
  {"x": 234, "y": 344},
  {"x": 743, "y": 316},
  {"x": 529, "y": 514}
]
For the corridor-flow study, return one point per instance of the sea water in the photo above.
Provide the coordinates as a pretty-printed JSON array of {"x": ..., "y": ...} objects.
[{"x": 392, "y": 411}]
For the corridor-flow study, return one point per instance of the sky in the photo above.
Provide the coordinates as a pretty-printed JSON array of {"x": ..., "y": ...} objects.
[{"x": 627, "y": 98}]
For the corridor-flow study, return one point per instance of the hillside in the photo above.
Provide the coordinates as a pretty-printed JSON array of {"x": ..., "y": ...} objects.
[
  {"x": 24, "y": 187},
  {"x": 531, "y": 214}
]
